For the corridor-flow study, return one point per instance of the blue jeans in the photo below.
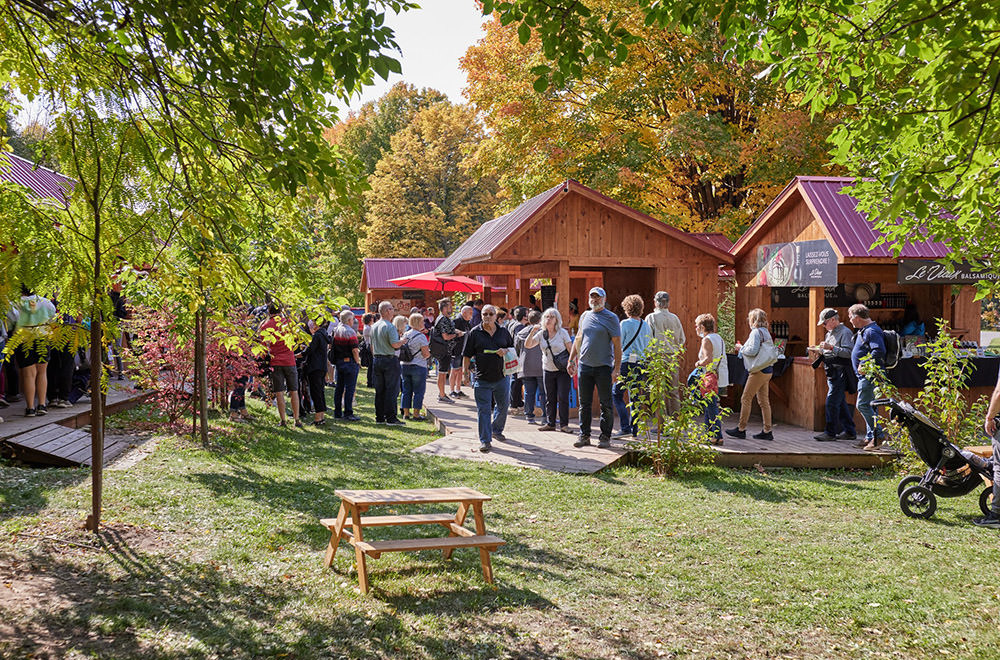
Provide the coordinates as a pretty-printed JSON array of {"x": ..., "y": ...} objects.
[
  {"x": 343, "y": 394},
  {"x": 712, "y": 421},
  {"x": 630, "y": 381},
  {"x": 838, "y": 413},
  {"x": 386, "y": 369},
  {"x": 488, "y": 392},
  {"x": 414, "y": 386},
  {"x": 601, "y": 377},
  {"x": 534, "y": 388},
  {"x": 866, "y": 394}
]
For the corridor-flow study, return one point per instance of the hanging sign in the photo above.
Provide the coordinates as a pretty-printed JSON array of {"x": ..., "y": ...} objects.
[
  {"x": 927, "y": 271},
  {"x": 801, "y": 263}
]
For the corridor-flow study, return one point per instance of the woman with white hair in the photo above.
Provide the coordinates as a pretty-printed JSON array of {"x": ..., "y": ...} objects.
[
  {"x": 556, "y": 344},
  {"x": 415, "y": 369}
]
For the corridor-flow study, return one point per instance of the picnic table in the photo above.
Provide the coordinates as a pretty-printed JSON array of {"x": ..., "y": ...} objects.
[{"x": 353, "y": 503}]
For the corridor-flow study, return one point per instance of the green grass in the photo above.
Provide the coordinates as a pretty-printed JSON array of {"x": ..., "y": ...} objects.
[{"x": 218, "y": 553}]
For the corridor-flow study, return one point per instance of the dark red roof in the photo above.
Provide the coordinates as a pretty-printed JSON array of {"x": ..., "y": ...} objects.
[
  {"x": 378, "y": 272},
  {"x": 43, "y": 182},
  {"x": 851, "y": 231},
  {"x": 715, "y": 239}
]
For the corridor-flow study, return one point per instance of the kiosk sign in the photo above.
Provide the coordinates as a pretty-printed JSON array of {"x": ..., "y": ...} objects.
[
  {"x": 927, "y": 271},
  {"x": 797, "y": 264}
]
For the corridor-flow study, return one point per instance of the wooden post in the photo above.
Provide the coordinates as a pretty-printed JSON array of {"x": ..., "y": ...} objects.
[
  {"x": 817, "y": 301},
  {"x": 525, "y": 293},
  {"x": 511, "y": 292},
  {"x": 562, "y": 291}
]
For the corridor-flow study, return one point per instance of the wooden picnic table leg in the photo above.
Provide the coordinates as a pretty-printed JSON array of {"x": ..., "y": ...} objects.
[
  {"x": 335, "y": 535},
  {"x": 463, "y": 510},
  {"x": 359, "y": 554},
  {"x": 484, "y": 554}
]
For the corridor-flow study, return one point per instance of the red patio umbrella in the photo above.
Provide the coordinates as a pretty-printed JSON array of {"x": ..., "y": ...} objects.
[{"x": 431, "y": 281}]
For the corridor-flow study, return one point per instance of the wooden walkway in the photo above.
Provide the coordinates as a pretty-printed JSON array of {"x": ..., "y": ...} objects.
[
  {"x": 58, "y": 438},
  {"x": 527, "y": 447}
]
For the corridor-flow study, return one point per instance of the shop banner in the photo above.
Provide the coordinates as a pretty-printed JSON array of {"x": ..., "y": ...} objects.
[
  {"x": 926, "y": 271},
  {"x": 801, "y": 263}
]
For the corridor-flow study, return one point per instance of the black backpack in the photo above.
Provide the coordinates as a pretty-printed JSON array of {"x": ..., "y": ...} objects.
[
  {"x": 406, "y": 353},
  {"x": 893, "y": 349}
]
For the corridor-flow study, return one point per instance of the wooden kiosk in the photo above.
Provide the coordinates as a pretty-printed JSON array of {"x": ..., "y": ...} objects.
[
  {"x": 579, "y": 238},
  {"x": 811, "y": 249}
]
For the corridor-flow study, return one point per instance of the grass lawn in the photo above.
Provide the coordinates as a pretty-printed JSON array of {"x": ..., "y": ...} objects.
[{"x": 218, "y": 554}]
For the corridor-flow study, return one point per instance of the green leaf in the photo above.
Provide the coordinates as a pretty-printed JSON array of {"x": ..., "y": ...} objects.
[{"x": 523, "y": 33}]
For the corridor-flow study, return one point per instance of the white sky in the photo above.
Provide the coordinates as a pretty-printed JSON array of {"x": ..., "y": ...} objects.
[{"x": 432, "y": 39}]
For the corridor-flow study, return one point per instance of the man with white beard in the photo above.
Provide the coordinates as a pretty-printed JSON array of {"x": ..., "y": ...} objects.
[{"x": 598, "y": 346}]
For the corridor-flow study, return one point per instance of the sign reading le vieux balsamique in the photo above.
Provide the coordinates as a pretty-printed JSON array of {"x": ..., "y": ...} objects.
[
  {"x": 926, "y": 271},
  {"x": 802, "y": 263}
]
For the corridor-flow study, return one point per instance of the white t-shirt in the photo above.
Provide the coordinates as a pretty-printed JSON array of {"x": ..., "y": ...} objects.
[{"x": 557, "y": 344}]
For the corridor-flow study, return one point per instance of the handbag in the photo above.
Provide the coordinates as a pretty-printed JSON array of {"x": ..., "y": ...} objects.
[
  {"x": 511, "y": 363},
  {"x": 767, "y": 355},
  {"x": 562, "y": 360}
]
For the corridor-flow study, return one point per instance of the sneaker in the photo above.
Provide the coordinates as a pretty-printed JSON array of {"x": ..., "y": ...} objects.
[
  {"x": 352, "y": 418},
  {"x": 30, "y": 412},
  {"x": 396, "y": 422},
  {"x": 546, "y": 427},
  {"x": 763, "y": 435},
  {"x": 321, "y": 422},
  {"x": 824, "y": 437},
  {"x": 41, "y": 410},
  {"x": 530, "y": 420},
  {"x": 499, "y": 437},
  {"x": 3, "y": 402},
  {"x": 485, "y": 447},
  {"x": 736, "y": 433},
  {"x": 604, "y": 442},
  {"x": 566, "y": 429},
  {"x": 874, "y": 445},
  {"x": 621, "y": 434},
  {"x": 582, "y": 441},
  {"x": 444, "y": 399},
  {"x": 283, "y": 424},
  {"x": 847, "y": 436},
  {"x": 419, "y": 418},
  {"x": 298, "y": 423},
  {"x": 461, "y": 395},
  {"x": 862, "y": 443},
  {"x": 992, "y": 521}
]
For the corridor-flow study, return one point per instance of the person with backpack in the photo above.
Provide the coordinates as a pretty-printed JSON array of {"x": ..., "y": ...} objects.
[
  {"x": 669, "y": 331},
  {"x": 514, "y": 327},
  {"x": 413, "y": 360},
  {"x": 442, "y": 344},
  {"x": 314, "y": 366},
  {"x": 869, "y": 342},
  {"x": 636, "y": 335},
  {"x": 532, "y": 370},
  {"x": 834, "y": 353}
]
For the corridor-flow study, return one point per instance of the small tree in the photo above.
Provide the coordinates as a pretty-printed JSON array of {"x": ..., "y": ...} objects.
[{"x": 673, "y": 443}]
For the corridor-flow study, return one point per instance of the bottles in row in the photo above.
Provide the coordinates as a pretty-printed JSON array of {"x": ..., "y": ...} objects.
[
  {"x": 779, "y": 329},
  {"x": 888, "y": 301}
]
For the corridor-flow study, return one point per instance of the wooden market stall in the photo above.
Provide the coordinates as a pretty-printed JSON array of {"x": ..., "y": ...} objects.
[
  {"x": 578, "y": 238},
  {"x": 810, "y": 249},
  {"x": 376, "y": 286}
]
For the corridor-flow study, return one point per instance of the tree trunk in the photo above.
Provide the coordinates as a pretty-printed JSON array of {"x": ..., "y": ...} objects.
[
  {"x": 202, "y": 367},
  {"x": 96, "y": 398}
]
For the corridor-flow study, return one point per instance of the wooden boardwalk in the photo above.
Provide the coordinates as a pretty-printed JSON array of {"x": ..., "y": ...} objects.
[
  {"x": 57, "y": 438},
  {"x": 527, "y": 447}
]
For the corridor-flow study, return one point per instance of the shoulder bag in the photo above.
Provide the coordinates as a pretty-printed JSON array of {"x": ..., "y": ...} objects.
[
  {"x": 767, "y": 355},
  {"x": 562, "y": 360}
]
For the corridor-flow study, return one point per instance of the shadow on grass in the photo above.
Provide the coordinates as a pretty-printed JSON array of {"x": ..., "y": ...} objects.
[
  {"x": 777, "y": 486},
  {"x": 23, "y": 490}
]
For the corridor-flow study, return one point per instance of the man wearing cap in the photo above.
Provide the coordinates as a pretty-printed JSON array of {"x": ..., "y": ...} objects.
[
  {"x": 835, "y": 353},
  {"x": 598, "y": 346},
  {"x": 668, "y": 330}
]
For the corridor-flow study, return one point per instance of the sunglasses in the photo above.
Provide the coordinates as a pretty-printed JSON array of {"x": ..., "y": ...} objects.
[{"x": 489, "y": 314}]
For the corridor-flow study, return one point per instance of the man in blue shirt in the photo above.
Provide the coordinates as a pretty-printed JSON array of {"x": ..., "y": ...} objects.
[
  {"x": 598, "y": 345},
  {"x": 869, "y": 342}
]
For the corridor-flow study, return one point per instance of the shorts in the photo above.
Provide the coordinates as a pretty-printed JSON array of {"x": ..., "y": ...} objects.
[
  {"x": 456, "y": 361},
  {"x": 28, "y": 356},
  {"x": 283, "y": 378}
]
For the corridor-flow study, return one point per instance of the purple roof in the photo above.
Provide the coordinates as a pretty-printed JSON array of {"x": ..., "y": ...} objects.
[
  {"x": 715, "y": 239},
  {"x": 43, "y": 182},
  {"x": 852, "y": 233},
  {"x": 491, "y": 234},
  {"x": 378, "y": 272}
]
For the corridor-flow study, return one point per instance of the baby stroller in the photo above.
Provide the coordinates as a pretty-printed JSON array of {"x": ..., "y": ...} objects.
[{"x": 952, "y": 471}]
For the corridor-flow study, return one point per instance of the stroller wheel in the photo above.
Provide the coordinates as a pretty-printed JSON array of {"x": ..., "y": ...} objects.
[
  {"x": 985, "y": 500},
  {"x": 906, "y": 482},
  {"x": 918, "y": 502}
]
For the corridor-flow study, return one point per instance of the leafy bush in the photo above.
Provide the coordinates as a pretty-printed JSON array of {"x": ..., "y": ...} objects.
[{"x": 673, "y": 443}]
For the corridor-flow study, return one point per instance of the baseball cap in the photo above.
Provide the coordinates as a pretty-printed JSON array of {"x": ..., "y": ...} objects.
[
  {"x": 599, "y": 291},
  {"x": 826, "y": 315}
]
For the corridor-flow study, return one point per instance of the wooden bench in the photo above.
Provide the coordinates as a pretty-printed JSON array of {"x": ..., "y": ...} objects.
[{"x": 355, "y": 502}]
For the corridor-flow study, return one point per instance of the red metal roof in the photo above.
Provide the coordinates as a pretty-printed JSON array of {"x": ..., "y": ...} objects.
[
  {"x": 715, "y": 239},
  {"x": 491, "y": 234},
  {"x": 43, "y": 182},
  {"x": 378, "y": 272},
  {"x": 852, "y": 233}
]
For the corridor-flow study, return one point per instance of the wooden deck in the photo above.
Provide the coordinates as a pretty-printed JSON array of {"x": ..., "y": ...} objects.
[
  {"x": 526, "y": 447},
  {"x": 58, "y": 438}
]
